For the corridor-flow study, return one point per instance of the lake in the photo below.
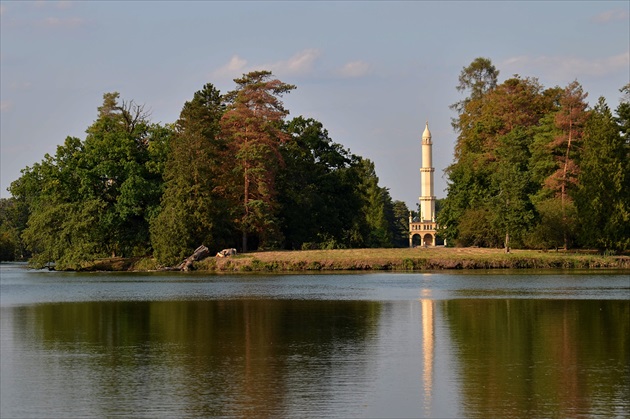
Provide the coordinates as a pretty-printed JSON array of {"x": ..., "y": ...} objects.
[{"x": 445, "y": 344}]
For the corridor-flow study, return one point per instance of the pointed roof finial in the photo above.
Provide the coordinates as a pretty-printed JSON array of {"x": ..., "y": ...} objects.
[{"x": 426, "y": 133}]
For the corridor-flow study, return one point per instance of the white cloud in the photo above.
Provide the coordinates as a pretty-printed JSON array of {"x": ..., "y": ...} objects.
[
  {"x": 301, "y": 63},
  {"x": 354, "y": 69},
  {"x": 612, "y": 16},
  {"x": 6, "y": 105},
  {"x": 61, "y": 4},
  {"x": 22, "y": 85},
  {"x": 64, "y": 4},
  {"x": 234, "y": 68},
  {"x": 55, "y": 22},
  {"x": 566, "y": 68}
]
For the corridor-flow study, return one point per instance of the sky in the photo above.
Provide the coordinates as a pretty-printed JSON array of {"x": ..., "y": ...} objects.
[{"x": 372, "y": 72}]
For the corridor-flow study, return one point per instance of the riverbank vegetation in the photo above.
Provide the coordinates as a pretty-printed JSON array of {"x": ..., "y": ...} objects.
[
  {"x": 404, "y": 259},
  {"x": 533, "y": 168}
]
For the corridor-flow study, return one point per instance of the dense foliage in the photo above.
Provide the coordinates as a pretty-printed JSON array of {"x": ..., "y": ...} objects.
[
  {"x": 230, "y": 172},
  {"x": 536, "y": 167}
]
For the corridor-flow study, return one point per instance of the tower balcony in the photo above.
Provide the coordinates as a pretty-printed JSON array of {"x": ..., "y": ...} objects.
[{"x": 423, "y": 226}]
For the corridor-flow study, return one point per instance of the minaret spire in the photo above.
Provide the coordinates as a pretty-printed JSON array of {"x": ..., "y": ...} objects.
[
  {"x": 425, "y": 225},
  {"x": 427, "y": 200}
]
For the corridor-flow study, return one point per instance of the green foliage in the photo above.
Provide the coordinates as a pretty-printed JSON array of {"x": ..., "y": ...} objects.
[
  {"x": 316, "y": 187},
  {"x": 511, "y": 206},
  {"x": 476, "y": 229},
  {"x": 400, "y": 224},
  {"x": 478, "y": 78},
  {"x": 533, "y": 167},
  {"x": 193, "y": 211},
  {"x": 10, "y": 245},
  {"x": 94, "y": 197},
  {"x": 12, "y": 222},
  {"x": 377, "y": 208},
  {"x": 523, "y": 155},
  {"x": 551, "y": 226},
  {"x": 602, "y": 197}
]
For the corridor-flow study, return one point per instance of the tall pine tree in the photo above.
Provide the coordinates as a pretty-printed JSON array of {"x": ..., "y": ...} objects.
[{"x": 252, "y": 127}]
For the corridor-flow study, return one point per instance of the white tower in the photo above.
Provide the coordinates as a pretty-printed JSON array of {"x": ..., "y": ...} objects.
[
  {"x": 424, "y": 225},
  {"x": 427, "y": 199}
]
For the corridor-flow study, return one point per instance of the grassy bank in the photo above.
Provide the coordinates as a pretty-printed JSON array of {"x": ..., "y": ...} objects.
[{"x": 419, "y": 259}]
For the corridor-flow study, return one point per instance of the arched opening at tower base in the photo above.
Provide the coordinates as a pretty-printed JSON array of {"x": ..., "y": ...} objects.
[
  {"x": 428, "y": 240},
  {"x": 416, "y": 240}
]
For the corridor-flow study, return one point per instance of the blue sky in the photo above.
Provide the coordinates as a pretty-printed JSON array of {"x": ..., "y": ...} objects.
[{"x": 372, "y": 72}]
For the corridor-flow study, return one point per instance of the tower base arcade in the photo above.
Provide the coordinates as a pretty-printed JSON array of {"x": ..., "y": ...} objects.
[{"x": 425, "y": 231}]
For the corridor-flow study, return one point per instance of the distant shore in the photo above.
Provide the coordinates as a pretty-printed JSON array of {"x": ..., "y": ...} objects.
[{"x": 417, "y": 259}]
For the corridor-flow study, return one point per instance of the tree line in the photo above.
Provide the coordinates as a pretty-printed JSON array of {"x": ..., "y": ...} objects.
[
  {"x": 232, "y": 171},
  {"x": 536, "y": 167}
]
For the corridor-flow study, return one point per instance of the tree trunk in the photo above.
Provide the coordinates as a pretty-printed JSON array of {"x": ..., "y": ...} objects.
[
  {"x": 564, "y": 183},
  {"x": 507, "y": 242},
  {"x": 200, "y": 253},
  {"x": 246, "y": 212}
]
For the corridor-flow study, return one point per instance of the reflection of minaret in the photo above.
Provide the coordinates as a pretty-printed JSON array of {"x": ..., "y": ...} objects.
[{"x": 428, "y": 349}]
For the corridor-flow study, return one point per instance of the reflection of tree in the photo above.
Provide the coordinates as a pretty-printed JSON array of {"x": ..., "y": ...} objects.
[
  {"x": 222, "y": 357},
  {"x": 541, "y": 357}
]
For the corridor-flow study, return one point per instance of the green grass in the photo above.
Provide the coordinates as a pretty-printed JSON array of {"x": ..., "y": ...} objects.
[
  {"x": 418, "y": 259},
  {"x": 414, "y": 260}
]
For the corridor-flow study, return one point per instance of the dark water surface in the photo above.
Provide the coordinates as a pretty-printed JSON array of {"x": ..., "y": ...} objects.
[{"x": 491, "y": 344}]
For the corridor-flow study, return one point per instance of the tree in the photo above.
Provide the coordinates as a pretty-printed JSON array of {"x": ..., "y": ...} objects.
[
  {"x": 469, "y": 183},
  {"x": 400, "y": 227},
  {"x": 490, "y": 174},
  {"x": 50, "y": 192},
  {"x": 377, "y": 208},
  {"x": 316, "y": 187},
  {"x": 478, "y": 78},
  {"x": 542, "y": 162},
  {"x": 476, "y": 228},
  {"x": 623, "y": 114},
  {"x": 252, "y": 127},
  {"x": 602, "y": 197},
  {"x": 512, "y": 208},
  {"x": 570, "y": 120},
  {"x": 193, "y": 210},
  {"x": 550, "y": 227},
  {"x": 118, "y": 172},
  {"x": 10, "y": 219},
  {"x": 95, "y": 197}
]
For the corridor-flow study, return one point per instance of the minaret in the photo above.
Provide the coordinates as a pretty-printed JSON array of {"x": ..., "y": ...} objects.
[{"x": 427, "y": 200}]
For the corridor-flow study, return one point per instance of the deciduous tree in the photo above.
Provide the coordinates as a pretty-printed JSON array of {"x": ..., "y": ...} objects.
[
  {"x": 316, "y": 187},
  {"x": 478, "y": 78}
]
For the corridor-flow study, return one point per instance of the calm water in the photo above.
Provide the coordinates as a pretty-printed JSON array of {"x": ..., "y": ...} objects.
[{"x": 507, "y": 344}]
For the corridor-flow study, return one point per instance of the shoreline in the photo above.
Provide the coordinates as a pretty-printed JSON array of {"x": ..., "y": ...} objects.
[{"x": 405, "y": 259}]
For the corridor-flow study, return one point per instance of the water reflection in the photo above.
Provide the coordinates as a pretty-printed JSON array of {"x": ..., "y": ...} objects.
[
  {"x": 345, "y": 346},
  {"x": 208, "y": 358},
  {"x": 560, "y": 358},
  {"x": 428, "y": 345}
]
